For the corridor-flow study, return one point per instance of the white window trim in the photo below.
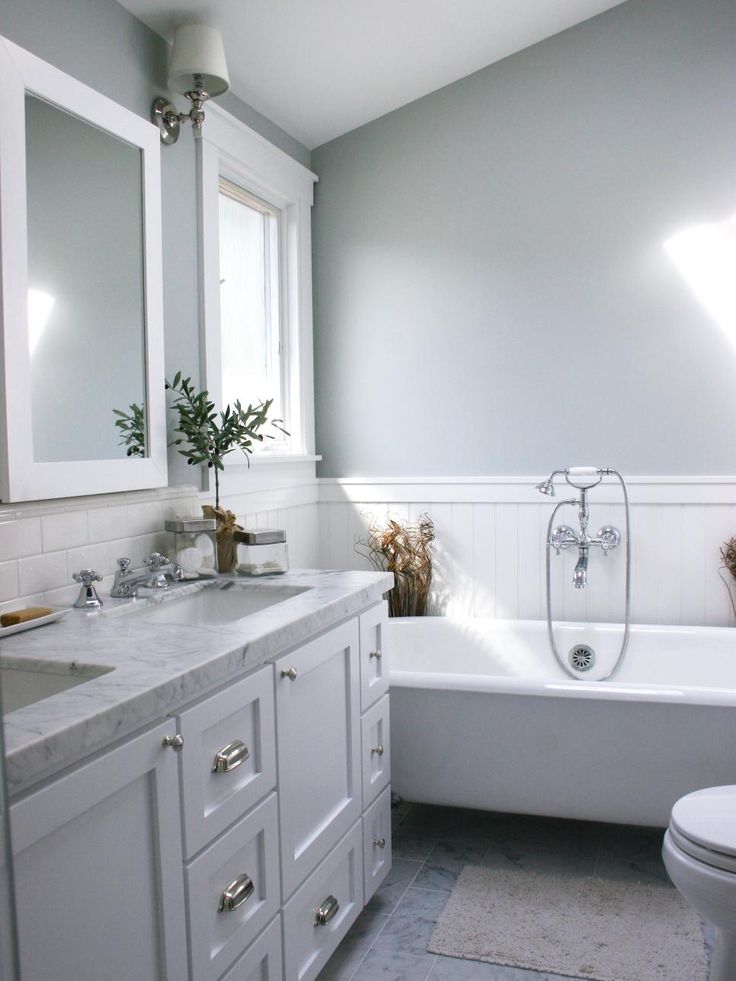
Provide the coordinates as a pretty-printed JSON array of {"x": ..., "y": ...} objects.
[{"x": 228, "y": 148}]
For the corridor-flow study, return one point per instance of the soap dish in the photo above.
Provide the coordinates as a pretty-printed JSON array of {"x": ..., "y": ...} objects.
[{"x": 16, "y": 628}]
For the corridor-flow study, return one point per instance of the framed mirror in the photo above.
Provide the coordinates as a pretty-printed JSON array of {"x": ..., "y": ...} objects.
[{"x": 83, "y": 406}]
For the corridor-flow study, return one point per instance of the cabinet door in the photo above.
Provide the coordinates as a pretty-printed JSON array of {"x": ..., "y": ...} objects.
[
  {"x": 321, "y": 911},
  {"x": 245, "y": 862},
  {"x": 376, "y": 844},
  {"x": 318, "y": 735},
  {"x": 262, "y": 961},
  {"x": 375, "y": 726},
  {"x": 98, "y": 869},
  {"x": 229, "y": 760},
  {"x": 373, "y": 654}
]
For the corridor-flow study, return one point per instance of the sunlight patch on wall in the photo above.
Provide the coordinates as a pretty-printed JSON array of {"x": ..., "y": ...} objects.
[
  {"x": 40, "y": 305},
  {"x": 705, "y": 255}
]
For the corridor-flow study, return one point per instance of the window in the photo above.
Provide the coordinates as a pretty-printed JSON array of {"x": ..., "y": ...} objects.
[
  {"x": 250, "y": 301},
  {"x": 254, "y": 204}
]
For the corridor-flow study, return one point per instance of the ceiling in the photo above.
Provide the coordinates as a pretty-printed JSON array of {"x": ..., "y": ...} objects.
[{"x": 319, "y": 68}]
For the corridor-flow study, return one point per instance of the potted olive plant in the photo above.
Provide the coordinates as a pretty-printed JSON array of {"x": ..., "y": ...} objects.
[{"x": 206, "y": 436}]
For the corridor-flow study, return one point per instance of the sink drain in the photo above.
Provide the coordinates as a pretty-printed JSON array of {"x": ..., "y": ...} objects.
[{"x": 581, "y": 657}]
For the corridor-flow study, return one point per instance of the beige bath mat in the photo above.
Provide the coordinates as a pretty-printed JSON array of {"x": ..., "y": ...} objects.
[{"x": 583, "y": 927}]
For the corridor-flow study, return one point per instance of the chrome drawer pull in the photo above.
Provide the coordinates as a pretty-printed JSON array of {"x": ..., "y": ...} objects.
[
  {"x": 377, "y": 654},
  {"x": 326, "y": 911},
  {"x": 378, "y": 750},
  {"x": 289, "y": 673},
  {"x": 379, "y": 842},
  {"x": 236, "y": 893},
  {"x": 230, "y": 757},
  {"x": 175, "y": 742}
]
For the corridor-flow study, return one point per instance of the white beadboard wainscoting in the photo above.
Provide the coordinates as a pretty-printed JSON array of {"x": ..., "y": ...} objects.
[
  {"x": 490, "y": 554},
  {"x": 489, "y": 550}
]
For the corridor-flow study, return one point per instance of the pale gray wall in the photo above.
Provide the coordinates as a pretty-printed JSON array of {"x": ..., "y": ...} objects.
[
  {"x": 491, "y": 291},
  {"x": 101, "y": 44}
]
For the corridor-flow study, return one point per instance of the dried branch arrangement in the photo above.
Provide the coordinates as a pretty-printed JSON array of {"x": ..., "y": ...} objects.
[
  {"x": 728, "y": 558},
  {"x": 405, "y": 550}
]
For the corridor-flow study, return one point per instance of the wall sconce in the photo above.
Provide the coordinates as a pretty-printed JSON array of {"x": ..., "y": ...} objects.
[{"x": 197, "y": 70}]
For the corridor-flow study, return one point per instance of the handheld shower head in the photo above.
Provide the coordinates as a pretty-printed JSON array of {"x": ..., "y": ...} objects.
[{"x": 546, "y": 487}]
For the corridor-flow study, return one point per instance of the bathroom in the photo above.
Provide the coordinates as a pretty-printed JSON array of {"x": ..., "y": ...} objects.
[{"x": 543, "y": 203}]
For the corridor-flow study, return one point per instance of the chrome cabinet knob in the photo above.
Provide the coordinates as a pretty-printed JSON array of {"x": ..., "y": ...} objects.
[
  {"x": 174, "y": 742},
  {"x": 325, "y": 911},
  {"x": 236, "y": 893},
  {"x": 378, "y": 750},
  {"x": 230, "y": 757},
  {"x": 377, "y": 654},
  {"x": 290, "y": 673},
  {"x": 379, "y": 842}
]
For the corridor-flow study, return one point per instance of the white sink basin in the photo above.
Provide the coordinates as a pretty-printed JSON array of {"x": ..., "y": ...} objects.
[
  {"x": 211, "y": 603},
  {"x": 22, "y": 684}
]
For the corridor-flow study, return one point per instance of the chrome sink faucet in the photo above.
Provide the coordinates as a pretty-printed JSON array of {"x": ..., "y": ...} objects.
[{"x": 156, "y": 575}]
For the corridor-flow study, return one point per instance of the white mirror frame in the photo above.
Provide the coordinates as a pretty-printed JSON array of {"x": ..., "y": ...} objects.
[{"x": 21, "y": 477}]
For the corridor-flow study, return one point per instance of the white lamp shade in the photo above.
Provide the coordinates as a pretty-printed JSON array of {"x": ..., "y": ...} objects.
[{"x": 198, "y": 50}]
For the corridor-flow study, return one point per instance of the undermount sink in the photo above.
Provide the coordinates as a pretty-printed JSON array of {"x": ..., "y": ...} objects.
[
  {"x": 22, "y": 684},
  {"x": 211, "y": 603}
]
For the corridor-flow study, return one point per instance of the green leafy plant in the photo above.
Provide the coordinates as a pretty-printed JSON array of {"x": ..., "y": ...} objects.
[
  {"x": 207, "y": 436},
  {"x": 132, "y": 428}
]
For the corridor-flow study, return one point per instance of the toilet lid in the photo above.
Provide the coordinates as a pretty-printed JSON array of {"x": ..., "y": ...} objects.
[{"x": 708, "y": 818}]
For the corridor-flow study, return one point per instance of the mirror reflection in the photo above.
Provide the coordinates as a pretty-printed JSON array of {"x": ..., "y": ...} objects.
[{"x": 85, "y": 289}]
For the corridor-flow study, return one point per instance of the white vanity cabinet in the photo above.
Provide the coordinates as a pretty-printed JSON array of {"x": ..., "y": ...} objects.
[
  {"x": 239, "y": 840},
  {"x": 98, "y": 869}
]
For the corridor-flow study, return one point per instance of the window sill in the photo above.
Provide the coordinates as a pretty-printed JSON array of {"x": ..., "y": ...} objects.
[{"x": 266, "y": 459}]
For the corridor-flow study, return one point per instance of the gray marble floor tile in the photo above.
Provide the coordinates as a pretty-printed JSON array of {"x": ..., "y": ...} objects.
[
  {"x": 434, "y": 820},
  {"x": 446, "y": 861},
  {"x": 411, "y": 844},
  {"x": 387, "y": 965},
  {"x": 394, "y": 885},
  {"x": 367, "y": 927},
  {"x": 539, "y": 855},
  {"x": 457, "y": 969},
  {"x": 410, "y": 925},
  {"x": 344, "y": 962}
]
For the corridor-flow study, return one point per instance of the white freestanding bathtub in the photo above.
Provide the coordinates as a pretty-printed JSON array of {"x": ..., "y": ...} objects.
[{"x": 483, "y": 717}]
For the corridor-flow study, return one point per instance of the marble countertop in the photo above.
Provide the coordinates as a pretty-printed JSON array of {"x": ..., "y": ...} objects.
[{"x": 158, "y": 667}]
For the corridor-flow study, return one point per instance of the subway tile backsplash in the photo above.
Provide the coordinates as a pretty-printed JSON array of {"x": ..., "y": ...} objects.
[{"x": 42, "y": 544}]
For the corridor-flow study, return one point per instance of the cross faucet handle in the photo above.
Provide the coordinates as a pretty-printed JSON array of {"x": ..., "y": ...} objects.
[
  {"x": 156, "y": 561},
  {"x": 86, "y": 576}
]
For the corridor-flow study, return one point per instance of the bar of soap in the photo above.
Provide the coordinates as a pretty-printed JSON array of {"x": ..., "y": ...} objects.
[{"x": 20, "y": 616}]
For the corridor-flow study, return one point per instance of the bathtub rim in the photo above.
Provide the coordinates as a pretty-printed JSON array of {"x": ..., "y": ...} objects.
[{"x": 567, "y": 687}]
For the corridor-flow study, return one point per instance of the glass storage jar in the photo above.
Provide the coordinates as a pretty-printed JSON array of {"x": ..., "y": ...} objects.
[
  {"x": 195, "y": 546},
  {"x": 262, "y": 552}
]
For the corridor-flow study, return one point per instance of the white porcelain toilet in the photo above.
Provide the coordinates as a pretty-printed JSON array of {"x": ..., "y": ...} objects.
[{"x": 699, "y": 852}]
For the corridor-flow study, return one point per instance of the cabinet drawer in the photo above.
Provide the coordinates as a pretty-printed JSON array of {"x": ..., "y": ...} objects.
[
  {"x": 376, "y": 844},
  {"x": 373, "y": 651},
  {"x": 246, "y": 856},
  {"x": 376, "y": 751},
  {"x": 228, "y": 762},
  {"x": 318, "y": 733},
  {"x": 308, "y": 943},
  {"x": 262, "y": 961}
]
